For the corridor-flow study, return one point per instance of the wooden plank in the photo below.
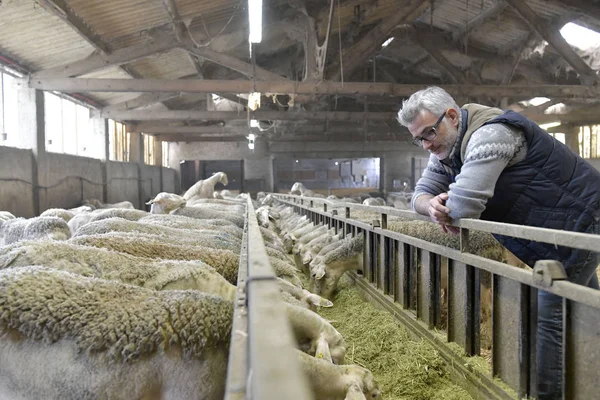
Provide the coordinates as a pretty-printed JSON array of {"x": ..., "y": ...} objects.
[
  {"x": 479, "y": 20},
  {"x": 286, "y": 87}
]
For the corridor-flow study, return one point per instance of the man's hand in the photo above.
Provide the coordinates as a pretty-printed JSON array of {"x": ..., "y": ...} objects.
[{"x": 440, "y": 214}]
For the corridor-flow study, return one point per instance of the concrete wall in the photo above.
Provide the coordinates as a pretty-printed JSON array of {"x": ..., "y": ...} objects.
[
  {"x": 16, "y": 193},
  {"x": 123, "y": 183},
  {"x": 66, "y": 180},
  {"x": 170, "y": 181},
  {"x": 151, "y": 185}
]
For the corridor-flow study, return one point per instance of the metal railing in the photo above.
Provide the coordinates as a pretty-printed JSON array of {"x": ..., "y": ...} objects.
[
  {"x": 407, "y": 288},
  {"x": 262, "y": 364}
]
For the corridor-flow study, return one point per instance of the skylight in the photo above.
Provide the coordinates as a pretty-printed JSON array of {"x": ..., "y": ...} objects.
[
  {"x": 387, "y": 42},
  {"x": 580, "y": 37},
  {"x": 536, "y": 101}
]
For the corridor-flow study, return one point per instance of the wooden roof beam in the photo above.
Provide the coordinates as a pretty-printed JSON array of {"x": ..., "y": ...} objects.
[
  {"x": 359, "y": 53},
  {"x": 312, "y": 88},
  {"x": 157, "y": 128},
  {"x": 553, "y": 36},
  {"x": 236, "y": 116},
  {"x": 586, "y": 7}
]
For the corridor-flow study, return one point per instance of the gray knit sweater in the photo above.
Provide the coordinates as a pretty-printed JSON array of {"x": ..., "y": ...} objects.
[{"x": 490, "y": 149}]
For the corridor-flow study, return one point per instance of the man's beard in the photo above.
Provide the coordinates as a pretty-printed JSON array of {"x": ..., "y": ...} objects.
[{"x": 447, "y": 142}]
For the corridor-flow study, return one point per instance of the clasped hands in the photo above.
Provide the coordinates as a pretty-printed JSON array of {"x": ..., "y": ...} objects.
[{"x": 440, "y": 214}]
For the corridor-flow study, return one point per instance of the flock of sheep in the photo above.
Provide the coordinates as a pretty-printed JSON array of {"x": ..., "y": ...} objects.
[{"x": 106, "y": 301}]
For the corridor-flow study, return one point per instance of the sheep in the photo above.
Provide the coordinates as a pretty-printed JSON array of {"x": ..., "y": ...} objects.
[
  {"x": 313, "y": 247},
  {"x": 58, "y": 212},
  {"x": 98, "y": 204},
  {"x": 207, "y": 213},
  {"x": 299, "y": 189},
  {"x": 82, "y": 209},
  {"x": 346, "y": 257},
  {"x": 102, "y": 263},
  {"x": 374, "y": 201},
  {"x": 121, "y": 225},
  {"x": 165, "y": 203},
  {"x": 183, "y": 222},
  {"x": 5, "y": 215},
  {"x": 150, "y": 247},
  {"x": 65, "y": 336},
  {"x": 204, "y": 189},
  {"x": 14, "y": 230},
  {"x": 338, "y": 382},
  {"x": 129, "y": 214},
  {"x": 308, "y": 326}
]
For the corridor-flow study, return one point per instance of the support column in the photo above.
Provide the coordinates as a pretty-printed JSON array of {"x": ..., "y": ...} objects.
[
  {"x": 136, "y": 155},
  {"x": 572, "y": 137},
  {"x": 158, "y": 160},
  {"x": 33, "y": 136},
  {"x": 101, "y": 129}
]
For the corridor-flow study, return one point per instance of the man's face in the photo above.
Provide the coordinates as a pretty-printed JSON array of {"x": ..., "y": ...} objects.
[{"x": 446, "y": 132}]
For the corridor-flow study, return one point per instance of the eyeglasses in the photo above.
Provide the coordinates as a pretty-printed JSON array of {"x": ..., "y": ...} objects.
[{"x": 431, "y": 133}]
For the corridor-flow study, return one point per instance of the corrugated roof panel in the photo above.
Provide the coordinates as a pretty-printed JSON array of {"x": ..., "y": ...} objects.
[
  {"x": 171, "y": 65},
  {"x": 36, "y": 38},
  {"x": 115, "y": 18}
]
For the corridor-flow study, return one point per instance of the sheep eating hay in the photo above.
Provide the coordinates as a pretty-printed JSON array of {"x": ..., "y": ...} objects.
[{"x": 69, "y": 337}]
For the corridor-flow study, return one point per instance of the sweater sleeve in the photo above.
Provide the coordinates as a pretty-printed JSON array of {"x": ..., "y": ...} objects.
[
  {"x": 435, "y": 180},
  {"x": 490, "y": 150}
]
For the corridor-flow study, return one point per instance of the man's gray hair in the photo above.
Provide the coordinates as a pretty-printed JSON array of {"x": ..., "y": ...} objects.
[{"x": 433, "y": 99}]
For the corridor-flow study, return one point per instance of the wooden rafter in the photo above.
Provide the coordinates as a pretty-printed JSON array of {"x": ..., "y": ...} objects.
[
  {"x": 360, "y": 52},
  {"x": 553, "y": 36},
  {"x": 236, "y": 116},
  {"x": 287, "y": 87},
  {"x": 157, "y": 128},
  {"x": 587, "y": 7}
]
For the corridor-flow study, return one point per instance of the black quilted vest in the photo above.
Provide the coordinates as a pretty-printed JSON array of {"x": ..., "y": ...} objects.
[{"x": 551, "y": 188}]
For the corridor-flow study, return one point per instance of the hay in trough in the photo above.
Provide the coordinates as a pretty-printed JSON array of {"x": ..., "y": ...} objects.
[{"x": 405, "y": 369}]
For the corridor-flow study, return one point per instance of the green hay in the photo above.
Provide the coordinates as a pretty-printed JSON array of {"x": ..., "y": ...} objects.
[{"x": 405, "y": 369}]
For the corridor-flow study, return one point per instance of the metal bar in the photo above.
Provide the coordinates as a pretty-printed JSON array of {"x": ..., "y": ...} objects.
[
  {"x": 382, "y": 264},
  {"x": 564, "y": 289},
  {"x": 367, "y": 255},
  {"x": 472, "y": 311},
  {"x": 237, "y": 366},
  {"x": 574, "y": 240},
  {"x": 457, "y": 303},
  {"x": 275, "y": 370}
]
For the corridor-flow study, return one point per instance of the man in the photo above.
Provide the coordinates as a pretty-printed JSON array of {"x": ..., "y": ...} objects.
[{"x": 500, "y": 166}]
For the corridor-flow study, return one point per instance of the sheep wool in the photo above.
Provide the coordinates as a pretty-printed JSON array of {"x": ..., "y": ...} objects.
[
  {"x": 111, "y": 265},
  {"x": 125, "y": 213},
  {"x": 122, "y": 321},
  {"x": 17, "y": 229}
]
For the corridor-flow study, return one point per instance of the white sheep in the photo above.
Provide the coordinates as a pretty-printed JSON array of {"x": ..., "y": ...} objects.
[
  {"x": 331, "y": 266},
  {"x": 99, "y": 205},
  {"x": 165, "y": 203},
  {"x": 14, "y": 230},
  {"x": 65, "y": 336},
  {"x": 204, "y": 189},
  {"x": 374, "y": 201},
  {"x": 67, "y": 215},
  {"x": 208, "y": 213},
  {"x": 5, "y": 215},
  {"x": 338, "y": 382}
]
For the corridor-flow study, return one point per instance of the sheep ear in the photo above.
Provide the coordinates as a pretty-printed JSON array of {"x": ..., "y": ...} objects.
[{"x": 150, "y": 202}]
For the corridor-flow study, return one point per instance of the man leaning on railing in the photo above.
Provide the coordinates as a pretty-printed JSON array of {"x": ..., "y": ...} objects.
[{"x": 500, "y": 166}]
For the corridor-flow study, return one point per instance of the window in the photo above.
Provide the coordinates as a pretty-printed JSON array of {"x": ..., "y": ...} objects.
[
  {"x": 69, "y": 128},
  {"x": 165, "y": 154},
  {"x": 589, "y": 145},
  {"x": 118, "y": 141},
  {"x": 148, "y": 149},
  {"x": 9, "y": 112}
]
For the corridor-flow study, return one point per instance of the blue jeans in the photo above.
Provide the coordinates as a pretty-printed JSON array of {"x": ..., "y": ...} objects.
[{"x": 550, "y": 328}]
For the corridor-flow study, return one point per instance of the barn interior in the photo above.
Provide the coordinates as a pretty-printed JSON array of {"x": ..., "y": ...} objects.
[{"x": 121, "y": 100}]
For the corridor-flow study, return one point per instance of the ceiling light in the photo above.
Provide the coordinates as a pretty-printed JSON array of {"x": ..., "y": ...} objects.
[
  {"x": 296, "y": 160},
  {"x": 337, "y": 163},
  {"x": 253, "y": 123},
  {"x": 255, "y": 18},
  {"x": 254, "y": 101},
  {"x": 251, "y": 145},
  {"x": 251, "y": 136}
]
